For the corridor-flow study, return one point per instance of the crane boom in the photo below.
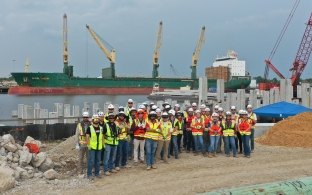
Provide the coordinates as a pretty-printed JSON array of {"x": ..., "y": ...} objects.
[
  {"x": 156, "y": 50},
  {"x": 303, "y": 54},
  {"x": 111, "y": 55},
  {"x": 196, "y": 53},
  {"x": 270, "y": 65},
  {"x": 65, "y": 46}
]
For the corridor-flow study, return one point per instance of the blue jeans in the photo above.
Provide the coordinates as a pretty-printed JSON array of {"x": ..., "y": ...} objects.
[
  {"x": 174, "y": 139},
  {"x": 122, "y": 153},
  {"x": 94, "y": 157},
  {"x": 229, "y": 141},
  {"x": 246, "y": 144},
  {"x": 214, "y": 141},
  {"x": 198, "y": 140},
  {"x": 252, "y": 139},
  {"x": 109, "y": 157},
  {"x": 150, "y": 149}
]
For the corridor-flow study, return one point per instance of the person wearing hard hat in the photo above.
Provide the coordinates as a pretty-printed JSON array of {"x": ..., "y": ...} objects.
[
  {"x": 234, "y": 114},
  {"x": 167, "y": 108},
  {"x": 158, "y": 114},
  {"x": 110, "y": 110},
  {"x": 253, "y": 118},
  {"x": 165, "y": 104},
  {"x": 173, "y": 135},
  {"x": 215, "y": 131},
  {"x": 198, "y": 126},
  {"x": 132, "y": 118},
  {"x": 151, "y": 139},
  {"x": 244, "y": 127},
  {"x": 178, "y": 129},
  {"x": 228, "y": 131},
  {"x": 95, "y": 142},
  {"x": 129, "y": 107},
  {"x": 101, "y": 123},
  {"x": 216, "y": 108},
  {"x": 145, "y": 111},
  {"x": 165, "y": 127},
  {"x": 139, "y": 129},
  {"x": 111, "y": 142},
  {"x": 153, "y": 108},
  {"x": 81, "y": 143},
  {"x": 189, "y": 137},
  {"x": 239, "y": 142},
  {"x": 123, "y": 144},
  {"x": 194, "y": 106},
  {"x": 207, "y": 118},
  {"x": 176, "y": 108},
  {"x": 221, "y": 118}
]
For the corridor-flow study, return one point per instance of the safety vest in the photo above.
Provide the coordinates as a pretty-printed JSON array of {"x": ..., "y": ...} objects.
[
  {"x": 122, "y": 126},
  {"x": 82, "y": 135},
  {"x": 180, "y": 127},
  {"x": 253, "y": 118},
  {"x": 95, "y": 142},
  {"x": 188, "y": 121},
  {"x": 165, "y": 128},
  {"x": 139, "y": 131},
  {"x": 215, "y": 129},
  {"x": 244, "y": 126},
  {"x": 152, "y": 126},
  {"x": 110, "y": 139},
  {"x": 197, "y": 126},
  {"x": 228, "y": 130}
]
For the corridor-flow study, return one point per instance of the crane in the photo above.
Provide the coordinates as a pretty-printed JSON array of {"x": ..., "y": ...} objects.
[
  {"x": 301, "y": 59},
  {"x": 156, "y": 50},
  {"x": 65, "y": 46},
  {"x": 195, "y": 56},
  {"x": 110, "y": 54}
]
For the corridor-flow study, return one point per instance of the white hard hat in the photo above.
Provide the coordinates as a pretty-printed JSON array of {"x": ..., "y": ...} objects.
[
  {"x": 220, "y": 109},
  {"x": 244, "y": 112},
  {"x": 152, "y": 103},
  {"x": 111, "y": 106},
  {"x": 249, "y": 106},
  {"x": 197, "y": 111},
  {"x": 154, "y": 107},
  {"x": 177, "y": 105},
  {"x": 121, "y": 113},
  {"x": 101, "y": 114},
  {"x": 207, "y": 109},
  {"x": 152, "y": 113},
  {"x": 140, "y": 111},
  {"x": 233, "y": 108},
  {"x": 203, "y": 106},
  {"x": 228, "y": 113},
  {"x": 164, "y": 114},
  {"x": 167, "y": 106},
  {"x": 95, "y": 116},
  {"x": 171, "y": 112},
  {"x": 190, "y": 110},
  {"x": 145, "y": 103},
  {"x": 216, "y": 107},
  {"x": 194, "y": 104},
  {"x": 215, "y": 114},
  {"x": 157, "y": 110},
  {"x": 141, "y": 106},
  {"x": 240, "y": 111},
  {"x": 130, "y": 100},
  {"x": 85, "y": 114}
]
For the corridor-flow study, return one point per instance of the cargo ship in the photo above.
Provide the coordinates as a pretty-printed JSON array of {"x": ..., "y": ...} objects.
[{"x": 65, "y": 83}]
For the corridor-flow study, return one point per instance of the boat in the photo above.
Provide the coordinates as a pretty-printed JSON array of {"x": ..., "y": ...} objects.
[{"x": 65, "y": 83}]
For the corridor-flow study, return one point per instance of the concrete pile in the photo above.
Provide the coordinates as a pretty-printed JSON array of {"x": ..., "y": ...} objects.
[{"x": 17, "y": 163}]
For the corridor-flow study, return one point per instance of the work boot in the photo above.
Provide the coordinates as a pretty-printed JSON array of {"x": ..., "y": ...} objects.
[
  {"x": 135, "y": 163},
  {"x": 148, "y": 168},
  {"x": 214, "y": 154},
  {"x": 209, "y": 155},
  {"x": 114, "y": 171},
  {"x": 154, "y": 167},
  {"x": 107, "y": 173},
  {"x": 117, "y": 169}
]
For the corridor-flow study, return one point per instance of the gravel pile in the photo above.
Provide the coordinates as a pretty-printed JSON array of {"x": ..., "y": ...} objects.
[{"x": 294, "y": 131}]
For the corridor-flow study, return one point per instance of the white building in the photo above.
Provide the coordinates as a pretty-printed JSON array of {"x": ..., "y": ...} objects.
[{"x": 237, "y": 67}]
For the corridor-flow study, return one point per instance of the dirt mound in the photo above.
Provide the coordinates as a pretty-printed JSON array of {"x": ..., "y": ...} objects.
[{"x": 294, "y": 131}]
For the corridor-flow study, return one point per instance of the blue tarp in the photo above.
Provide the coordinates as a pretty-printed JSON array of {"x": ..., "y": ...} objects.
[{"x": 281, "y": 109}]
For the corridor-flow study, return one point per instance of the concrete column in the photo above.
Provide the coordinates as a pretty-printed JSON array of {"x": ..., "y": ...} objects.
[
  {"x": 253, "y": 98},
  {"x": 310, "y": 98},
  {"x": 289, "y": 91},
  {"x": 76, "y": 110},
  {"x": 283, "y": 83},
  {"x": 95, "y": 108},
  {"x": 299, "y": 91},
  {"x": 266, "y": 98},
  {"x": 305, "y": 94},
  {"x": 202, "y": 90},
  {"x": 241, "y": 99},
  {"x": 220, "y": 90},
  {"x": 20, "y": 110}
]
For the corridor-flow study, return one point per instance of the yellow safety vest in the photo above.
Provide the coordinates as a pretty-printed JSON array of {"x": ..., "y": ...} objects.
[
  {"x": 152, "y": 135},
  {"x": 109, "y": 138},
  {"x": 82, "y": 135},
  {"x": 180, "y": 126},
  {"x": 123, "y": 132},
  {"x": 95, "y": 141},
  {"x": 165, "y": 130},
  {"x": 228, "y": 131},
  {"x": 253, "y": 117}
]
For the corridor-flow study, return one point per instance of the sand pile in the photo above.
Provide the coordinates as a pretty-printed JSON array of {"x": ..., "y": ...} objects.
[{"x": 294, "y": 131}]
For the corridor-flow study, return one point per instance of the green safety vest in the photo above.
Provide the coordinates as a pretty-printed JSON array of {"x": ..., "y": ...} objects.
[
  {"x": 228, "y": 131},
  {"x": 109, "y": 138},
  {"x": 95, "y": 143}
]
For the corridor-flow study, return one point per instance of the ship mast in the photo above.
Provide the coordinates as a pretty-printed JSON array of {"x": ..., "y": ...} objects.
[{"x": 65, "y": 46}]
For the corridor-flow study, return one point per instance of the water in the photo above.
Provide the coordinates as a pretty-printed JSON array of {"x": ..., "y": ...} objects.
[{"x": 10, "y": 102}]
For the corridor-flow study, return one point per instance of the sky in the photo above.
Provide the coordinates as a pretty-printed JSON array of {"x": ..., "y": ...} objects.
[{"x": 33, "y": 29}]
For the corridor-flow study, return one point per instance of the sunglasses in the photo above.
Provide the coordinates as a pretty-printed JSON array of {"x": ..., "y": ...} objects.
[{"x": 130, "y": 103}]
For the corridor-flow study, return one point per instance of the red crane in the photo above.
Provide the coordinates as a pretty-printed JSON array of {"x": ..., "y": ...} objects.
[{"x": 301, "y": 59}]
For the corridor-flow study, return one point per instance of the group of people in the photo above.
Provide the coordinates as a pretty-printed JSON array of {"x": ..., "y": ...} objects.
[{"x": 149, "y": 134}]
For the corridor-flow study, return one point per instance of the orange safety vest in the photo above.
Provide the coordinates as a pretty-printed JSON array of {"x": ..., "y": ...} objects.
[
  {"x": 140, "y": 128},
  {"x": 152, "y": 135},
  {"x": 244, "y": 126},
  {"x": 215, "y": 129},
  {"x": 197, "y": 126}
]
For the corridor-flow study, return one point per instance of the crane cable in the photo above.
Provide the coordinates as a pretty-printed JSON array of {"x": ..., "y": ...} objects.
[{"x": 281, "y": 35}]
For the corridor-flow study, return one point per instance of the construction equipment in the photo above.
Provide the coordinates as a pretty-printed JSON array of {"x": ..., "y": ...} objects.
[
  {"x": 65, "y": 45},
  {"x": 196, "y": 53},
  {"x": 156, "y": 51},
  {"x": 110, "y": 54},
  {"x": 301, "y": 59},
  {"x": 172, "y": 68}
]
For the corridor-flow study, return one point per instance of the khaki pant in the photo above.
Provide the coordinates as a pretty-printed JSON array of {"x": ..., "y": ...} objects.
[
  {"x": 162, "y": 145},
  {"x": 82, "y": 154},
  {"x": 138, "y": 143}
]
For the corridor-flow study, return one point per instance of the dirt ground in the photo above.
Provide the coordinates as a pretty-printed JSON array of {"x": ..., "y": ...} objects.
[{"x": 187, "y": 175}]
